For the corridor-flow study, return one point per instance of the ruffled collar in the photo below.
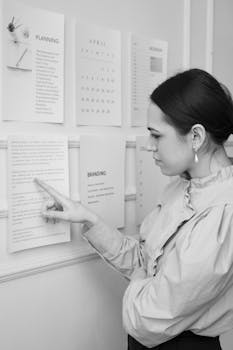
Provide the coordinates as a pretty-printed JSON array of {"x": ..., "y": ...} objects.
[{"x": 221, "y": 175}]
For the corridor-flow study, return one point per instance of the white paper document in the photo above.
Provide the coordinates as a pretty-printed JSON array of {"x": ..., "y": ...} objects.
[
  {"x": 147, "y": 68},
  {"x": 33, "y": 64},
  {"x": 102, "y": 176},
  {"x": 98, "y": 75},
  {"x": 47, "y": 159},
  {"x": 150, "y": 181}
]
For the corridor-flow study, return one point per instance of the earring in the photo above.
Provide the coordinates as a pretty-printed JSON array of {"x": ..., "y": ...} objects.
[{"x": 196, "y": 160}]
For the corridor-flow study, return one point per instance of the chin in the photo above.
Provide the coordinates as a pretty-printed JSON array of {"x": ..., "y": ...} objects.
[
  {"x": 170, "y": 172},
  {"x": 166, "y": 172}
]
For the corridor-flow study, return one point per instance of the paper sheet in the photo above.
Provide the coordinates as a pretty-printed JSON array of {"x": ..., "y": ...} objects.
[
  {"x": 98, "y": 75},
  {"x": 150, "y": 181},
  {"x": 30, "y": 157},
  {"x": 33, "y": 64},
  {"x": 148, "y": 68},
  {"x": 102, "y": 176}
]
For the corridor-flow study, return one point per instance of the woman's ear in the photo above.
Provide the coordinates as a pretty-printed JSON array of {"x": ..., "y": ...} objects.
[{"x": 198, "y": 134}]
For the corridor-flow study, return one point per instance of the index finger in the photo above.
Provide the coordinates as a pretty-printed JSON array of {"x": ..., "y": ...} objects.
[{"x": 52, "y": 192}]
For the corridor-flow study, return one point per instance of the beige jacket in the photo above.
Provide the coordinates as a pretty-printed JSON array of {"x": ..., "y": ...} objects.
[{"x": 186, "y": 249}]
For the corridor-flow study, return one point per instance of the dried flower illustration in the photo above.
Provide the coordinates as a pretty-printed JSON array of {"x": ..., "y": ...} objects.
[{"x": 13, "y": 25}]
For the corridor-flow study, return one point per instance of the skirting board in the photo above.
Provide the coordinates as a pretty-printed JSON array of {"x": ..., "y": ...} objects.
[{"x": 76, "y": 257}]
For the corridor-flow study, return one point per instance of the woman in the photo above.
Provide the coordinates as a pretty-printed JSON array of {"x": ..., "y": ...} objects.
[{"x": 180, "y": 294}]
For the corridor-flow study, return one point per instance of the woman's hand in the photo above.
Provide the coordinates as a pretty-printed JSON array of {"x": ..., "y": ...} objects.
[{"x": 60, "y": 207}]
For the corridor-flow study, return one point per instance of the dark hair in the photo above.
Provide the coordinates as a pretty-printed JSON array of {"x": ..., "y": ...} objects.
[{"x": 196, "y": 97}]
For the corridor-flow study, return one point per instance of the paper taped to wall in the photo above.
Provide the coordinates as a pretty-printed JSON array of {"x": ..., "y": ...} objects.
[
  {"x": 29, "y": 157},
  {"x": 102, "y": 172},
  {"x": 33, "y": 64},
  {"x": 98, "y": 78},
  {"x": 147, "y": 68}
]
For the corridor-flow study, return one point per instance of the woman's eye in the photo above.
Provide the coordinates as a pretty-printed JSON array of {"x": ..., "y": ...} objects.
[{"x": 155, "y": 136}]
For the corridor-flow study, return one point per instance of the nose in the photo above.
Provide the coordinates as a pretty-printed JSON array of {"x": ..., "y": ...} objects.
[{"x": 150, "y": 145}]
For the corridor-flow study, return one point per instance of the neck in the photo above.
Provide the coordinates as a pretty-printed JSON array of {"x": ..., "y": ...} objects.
[{"x": 210, "y": 163}]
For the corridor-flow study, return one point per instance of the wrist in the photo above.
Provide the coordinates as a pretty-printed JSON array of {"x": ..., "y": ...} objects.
[{"x": 90, "y": 218}]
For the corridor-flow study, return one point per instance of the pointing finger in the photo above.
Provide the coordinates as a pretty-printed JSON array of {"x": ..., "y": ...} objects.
[{"x": 54, "y": 193}]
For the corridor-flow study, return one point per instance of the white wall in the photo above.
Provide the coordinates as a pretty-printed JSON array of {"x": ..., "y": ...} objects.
[
  {"x": 198, "y": 33},
  {"x": 222, "y": 69},
  {"x": 72, "y": 308},
  {"x": 78, "y": 307},
  {"x": 223, "y": 39}
]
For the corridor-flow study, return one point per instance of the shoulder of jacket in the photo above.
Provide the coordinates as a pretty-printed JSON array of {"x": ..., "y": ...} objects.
[{"x": 223, "y": 194}]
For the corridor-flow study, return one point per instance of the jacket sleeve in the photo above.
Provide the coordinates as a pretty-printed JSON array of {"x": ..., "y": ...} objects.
[
  {"x": 123, "y": 253},
  {"x": 193, "y": 276}
]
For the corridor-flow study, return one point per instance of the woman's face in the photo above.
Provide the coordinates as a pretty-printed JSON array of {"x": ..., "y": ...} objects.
[{"x": 172, "y": 152}]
